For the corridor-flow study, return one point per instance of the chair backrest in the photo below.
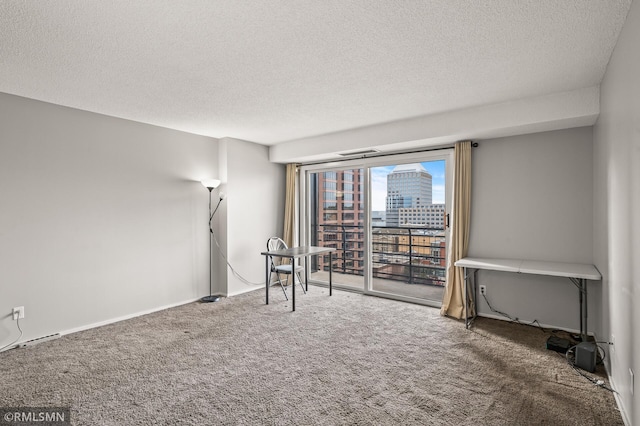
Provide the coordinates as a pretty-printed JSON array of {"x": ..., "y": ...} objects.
[{"x": 275, "y": 243}]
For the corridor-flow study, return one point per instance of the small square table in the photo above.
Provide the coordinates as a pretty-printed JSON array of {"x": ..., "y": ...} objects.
[{"x": 294, "y": 253}]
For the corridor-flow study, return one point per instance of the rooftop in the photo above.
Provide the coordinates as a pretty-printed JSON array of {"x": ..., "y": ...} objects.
[{"x": 413, "y": 167}]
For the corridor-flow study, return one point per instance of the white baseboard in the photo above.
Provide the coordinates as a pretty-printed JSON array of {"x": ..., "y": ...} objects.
[
  {"x": 623, "y": 413},
  {"x": 247, "y": 289},
  {"x": 616, "y": 395},
  {"x": 137, "y": 314},
  {"x": 101, "y": 323},
  {"x": 126, "y": 317},
  {"x": 528, "y": 322}
]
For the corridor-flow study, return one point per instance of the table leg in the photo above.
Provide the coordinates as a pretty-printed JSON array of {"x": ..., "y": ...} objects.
[
  {"x": 293, "y": 283},
  {"x": 266, "y": 280},
  {"x": 464, "y": 298},
  {"x": 330, "y": 273},
  {"x": 583, "y": 285},
  {"x": 306, "y": 273},
  {"x": 580, "y": 291}
]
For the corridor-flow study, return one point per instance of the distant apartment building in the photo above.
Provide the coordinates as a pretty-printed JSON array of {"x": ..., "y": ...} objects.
[
  {"x": 408, "y": 186},
  {"x": 430, "y": 216},
  {"x": 337, "y": 201},
  {"x": 378, "y": 218}
]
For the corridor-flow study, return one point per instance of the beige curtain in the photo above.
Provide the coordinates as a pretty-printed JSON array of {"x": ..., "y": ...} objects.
[
  {"x": 290, "y": 205},
  {"x": 454, "y": 298}
]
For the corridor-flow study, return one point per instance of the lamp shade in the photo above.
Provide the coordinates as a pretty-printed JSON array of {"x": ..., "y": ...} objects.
[{"x": 210, "y": 183}]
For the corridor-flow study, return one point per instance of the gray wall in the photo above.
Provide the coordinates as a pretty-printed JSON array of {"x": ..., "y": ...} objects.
[
  {"x": 101, "y": 218},
  {"x": 532, "y": 199},
  {"x": 617, "y": 211},
  {"x": 251, "y": 213}
]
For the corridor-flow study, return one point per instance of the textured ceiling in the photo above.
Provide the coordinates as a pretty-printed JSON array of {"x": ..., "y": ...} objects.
[{"x": 276, "y": 70}]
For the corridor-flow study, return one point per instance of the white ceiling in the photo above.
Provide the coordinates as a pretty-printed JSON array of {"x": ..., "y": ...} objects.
[{"x": 270, "y": 71}]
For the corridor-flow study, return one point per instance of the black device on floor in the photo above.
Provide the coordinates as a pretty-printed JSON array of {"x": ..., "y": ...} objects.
[
  {"x": 586, "y": 356},
  {"x": 558, "y": 344}
]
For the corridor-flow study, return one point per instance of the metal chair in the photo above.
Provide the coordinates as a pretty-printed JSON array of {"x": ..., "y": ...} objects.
[{"x": 275, "y": 243}]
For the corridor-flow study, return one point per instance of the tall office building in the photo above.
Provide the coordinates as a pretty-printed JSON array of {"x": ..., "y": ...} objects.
[
  {"x": 408, "y": 186},
  {"x": 337, "y": 218}
]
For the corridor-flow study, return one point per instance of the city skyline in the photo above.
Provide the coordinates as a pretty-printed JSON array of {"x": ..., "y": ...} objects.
[{"x": 379, "y": 183}]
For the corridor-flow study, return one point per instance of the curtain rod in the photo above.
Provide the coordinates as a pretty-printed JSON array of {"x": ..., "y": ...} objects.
[{"x": 383, "y": 154}]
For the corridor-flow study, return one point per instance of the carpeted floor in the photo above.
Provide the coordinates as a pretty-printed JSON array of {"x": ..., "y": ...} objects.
[{"x": 349, "y": 359}]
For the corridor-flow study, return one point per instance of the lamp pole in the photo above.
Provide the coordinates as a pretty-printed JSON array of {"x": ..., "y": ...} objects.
[{"x": 210, "y": 298}]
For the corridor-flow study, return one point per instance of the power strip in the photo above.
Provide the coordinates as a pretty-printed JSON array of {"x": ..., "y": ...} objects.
[{"x": 558, "y": 344}]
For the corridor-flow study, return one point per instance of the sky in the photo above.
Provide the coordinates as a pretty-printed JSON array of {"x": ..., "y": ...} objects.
[{"x": 379, "y": 183}]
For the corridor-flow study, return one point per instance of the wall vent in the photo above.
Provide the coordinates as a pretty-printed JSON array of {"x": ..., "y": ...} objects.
[{"x": 363, "y": 152}]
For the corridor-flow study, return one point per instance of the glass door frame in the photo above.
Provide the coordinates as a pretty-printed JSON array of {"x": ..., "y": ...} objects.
[{"x": 366, "y": 164}]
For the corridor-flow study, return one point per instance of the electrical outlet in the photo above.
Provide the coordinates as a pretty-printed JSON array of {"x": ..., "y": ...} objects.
[
  {"x": 18, "y": 313},
  {"x": 483, "y": 290},
  {"x": 612, "y": 343}
]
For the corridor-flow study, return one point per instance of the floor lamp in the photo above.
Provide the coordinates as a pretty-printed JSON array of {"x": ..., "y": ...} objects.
[{"x": 210, "y": 184}]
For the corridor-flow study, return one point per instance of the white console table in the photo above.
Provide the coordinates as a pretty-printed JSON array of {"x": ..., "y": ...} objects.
[{"x": 578, "y": 273}]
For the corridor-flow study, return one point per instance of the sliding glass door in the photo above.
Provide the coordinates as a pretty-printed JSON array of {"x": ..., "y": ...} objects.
[
  {"x": 387, "y": 219},
  {"x": 336, "y": 219},
  {"x": 408, "y": 230}
]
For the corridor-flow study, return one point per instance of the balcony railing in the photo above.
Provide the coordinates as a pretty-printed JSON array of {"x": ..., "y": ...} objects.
[{"x": 413, "y": 255}]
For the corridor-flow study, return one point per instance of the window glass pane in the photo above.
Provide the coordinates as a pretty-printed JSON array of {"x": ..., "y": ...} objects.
[
  {"x": 408, "y": 247},
  {"x": 330, "y": 175},
  {"x": 329, "y": 195},
  {"x": 337, "y": 221},
  {"x": 329, "y": 185}
]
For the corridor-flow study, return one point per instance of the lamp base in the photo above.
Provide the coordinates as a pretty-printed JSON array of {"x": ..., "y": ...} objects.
[{"x": 209, "y": 299}]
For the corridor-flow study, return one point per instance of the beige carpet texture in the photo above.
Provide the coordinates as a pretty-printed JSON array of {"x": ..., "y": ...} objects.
[{"x": 347, "y": 359}]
